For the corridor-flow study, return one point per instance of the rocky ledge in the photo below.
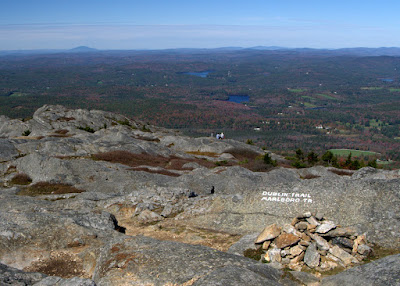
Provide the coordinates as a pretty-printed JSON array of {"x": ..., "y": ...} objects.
[{"x": 95, "y": 198}]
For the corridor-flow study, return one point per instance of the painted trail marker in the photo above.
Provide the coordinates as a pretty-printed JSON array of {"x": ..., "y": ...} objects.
[{"x": 286, "y": 197}]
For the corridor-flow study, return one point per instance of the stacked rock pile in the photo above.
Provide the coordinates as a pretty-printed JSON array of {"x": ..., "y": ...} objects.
[{"x": 312, "y": 241}]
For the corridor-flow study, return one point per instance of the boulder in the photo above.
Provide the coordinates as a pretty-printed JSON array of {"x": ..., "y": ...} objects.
[
  {"x": 325, "y": 227},
  {"x": 270, "y": 232},
  {"x": 286, "y": 239},
  {"x": 345, "y": 257},
  {"x": 148, "y": 216},
  {"x": 7, "y": 150},
  {"x": 321, "y": 243},
  {"x": 312, "y": 257}
]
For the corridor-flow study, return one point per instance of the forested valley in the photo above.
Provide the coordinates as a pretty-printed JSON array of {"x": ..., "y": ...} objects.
[{"x": 282, "y": 100}]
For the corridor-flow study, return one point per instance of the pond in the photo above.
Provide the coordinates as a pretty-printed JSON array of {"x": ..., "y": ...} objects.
[
  {"x": 238, "y": 98},
  {"x": 387, "y": 79}
]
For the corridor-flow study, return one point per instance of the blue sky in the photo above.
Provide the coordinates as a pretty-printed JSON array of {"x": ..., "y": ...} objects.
[{"x": 159, "y": 24}]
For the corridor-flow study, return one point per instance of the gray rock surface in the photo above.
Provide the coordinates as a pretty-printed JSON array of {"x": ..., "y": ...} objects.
[
  {"x": 7, "y": 150},
  {"x": 13, "y": 276},
  {"x": 145, "y": 260},
  {"x": 381, "y": 272},
  {"x": 80, "y": 228},
  {"x": 246, "y": 242},
  {"x": 235, "y": 276}
]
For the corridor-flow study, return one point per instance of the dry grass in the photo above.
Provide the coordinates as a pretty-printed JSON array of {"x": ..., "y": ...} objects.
[
  {"x": 146, "y": 138},
  {"x": 242, "y": 154},
  {"x": 21, "y": 179},
  {"x": 162, "y": 172},
  {"x": 198, "y": 153},
  {"x": 309, "y": 177},
  {"x": 64, "y": 118},
  {"x": 46, "y": 188},
  {"x": 60, "y": 133},
  {"x": 341, "y": 172},
  {"x": 145, "y": 159}
]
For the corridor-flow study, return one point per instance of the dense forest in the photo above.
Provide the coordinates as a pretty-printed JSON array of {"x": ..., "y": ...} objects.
[{"x": 278, "y": 99}]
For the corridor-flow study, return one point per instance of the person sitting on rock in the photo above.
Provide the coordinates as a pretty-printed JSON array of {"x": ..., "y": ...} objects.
[{"x": 222, "y": 136}]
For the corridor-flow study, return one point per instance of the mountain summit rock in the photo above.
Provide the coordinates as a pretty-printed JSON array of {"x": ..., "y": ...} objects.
[{"x": 88, "y": 194}]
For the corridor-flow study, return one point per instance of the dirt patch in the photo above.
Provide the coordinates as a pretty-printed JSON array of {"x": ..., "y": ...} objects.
[
  {"x": 59, "y": 264},
  {"x": 46, "y": 188}
]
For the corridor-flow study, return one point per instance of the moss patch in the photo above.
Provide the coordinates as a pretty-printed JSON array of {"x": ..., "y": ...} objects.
[{"x": 253, "y": 253}]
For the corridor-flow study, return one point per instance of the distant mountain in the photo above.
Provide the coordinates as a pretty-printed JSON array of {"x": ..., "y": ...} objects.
[
  {"x": 360, "y": 51},
  {"x": 82, "y": 49}
]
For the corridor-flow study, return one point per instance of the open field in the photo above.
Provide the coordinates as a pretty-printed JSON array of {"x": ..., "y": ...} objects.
[
  {"x": 354, "y": 153},
  {"x": 371, "y": 88},
  {"x": 327, "y": 96},
  {"x": 296, "y": 90}
]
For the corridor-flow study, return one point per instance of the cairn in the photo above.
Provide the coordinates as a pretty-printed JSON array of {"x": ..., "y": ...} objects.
[{"x": 314, "y": 242}]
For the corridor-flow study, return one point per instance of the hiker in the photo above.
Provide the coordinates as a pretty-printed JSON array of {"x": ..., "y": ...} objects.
[
  {"x": 192, "y": 195},
  {"x": 222, "y": 136},
  {"x": 218, "y": 136}
]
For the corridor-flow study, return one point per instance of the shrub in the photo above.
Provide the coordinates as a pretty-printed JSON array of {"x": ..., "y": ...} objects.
[
  {"x": 372, "y": 164},
  {"x": 250, "y": 142},
  {"x": 124, "y": 122},
  {"x": 26, "y": 133},
  {"x": 268, "y": 160},
  {"x": 145, "y": 129},
  {"x": 297, "y": 164},
  {"x": 21, "y": 179},
  {"x": 87, "y": 129}
]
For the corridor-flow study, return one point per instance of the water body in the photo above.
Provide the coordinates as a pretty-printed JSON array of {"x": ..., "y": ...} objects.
[
  {"x": 387, "y": 79},
  {"x": 202, "y": 74},
  {"x": 238, "y": 98}
]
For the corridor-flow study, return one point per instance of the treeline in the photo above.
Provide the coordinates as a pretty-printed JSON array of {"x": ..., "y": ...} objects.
[{"x": 302, "y": 160}]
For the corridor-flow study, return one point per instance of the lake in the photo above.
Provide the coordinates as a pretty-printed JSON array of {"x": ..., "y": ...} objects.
[
  {"x": 238, "y": 98},
  {"x": 202, "y": 74},
  {"x": 387, "y": 79}
]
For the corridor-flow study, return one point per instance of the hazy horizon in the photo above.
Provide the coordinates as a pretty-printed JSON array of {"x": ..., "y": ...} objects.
[{"x": 199, "y": 48}]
